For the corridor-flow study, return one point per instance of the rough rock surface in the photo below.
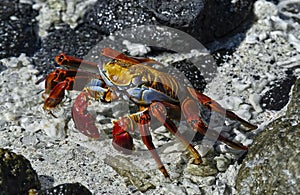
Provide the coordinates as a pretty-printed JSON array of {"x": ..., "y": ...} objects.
[
  {"x": 272, "y": 164},
  {"x": 66, "y": 189},
  {"x": 16, "y": 174},
  {"x": 205, "y": 20},
  {"x": 75, "y": 42},
  {"x": 18, "y": 29}
]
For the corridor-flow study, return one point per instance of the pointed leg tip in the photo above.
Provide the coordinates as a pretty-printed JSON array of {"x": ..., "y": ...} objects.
[
  {"x": 197, "y": 161},
  {"x": 164, "y": 171}
]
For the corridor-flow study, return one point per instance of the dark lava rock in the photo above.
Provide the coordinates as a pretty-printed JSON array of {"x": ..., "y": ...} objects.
[
  {"x": 108, "y": 16},
  {"x": 18, "y": 29},
  {"x": 16, "y": 174},
  {"x": 278, "y": 95},
  {"x": 205, "y": 20},
  {"x": 272, "y": 165},
  {"x": 75, "y": 42},
  {"x": 66, "y": 189}
]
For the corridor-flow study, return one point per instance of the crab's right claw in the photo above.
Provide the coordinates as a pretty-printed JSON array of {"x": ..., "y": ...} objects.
[
  {"x": 84, "y": 121},
  {"x": 122, "y": 140}
]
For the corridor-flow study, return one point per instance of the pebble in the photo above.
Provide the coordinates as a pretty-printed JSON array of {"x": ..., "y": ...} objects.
[
  {"x": 254, "y": 100},
  {"x": 222, "y": 162}
]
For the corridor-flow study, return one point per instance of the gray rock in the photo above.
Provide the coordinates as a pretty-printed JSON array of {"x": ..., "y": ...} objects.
[{"x": 272, "y": 165}]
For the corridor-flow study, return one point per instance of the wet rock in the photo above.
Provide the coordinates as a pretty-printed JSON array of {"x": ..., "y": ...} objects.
[
  {"x": 16, "y": 174},
  {"x": 18, "y": 29},
  {"x": 272, "y": 164},
  {"x": 66, "y": 189}
]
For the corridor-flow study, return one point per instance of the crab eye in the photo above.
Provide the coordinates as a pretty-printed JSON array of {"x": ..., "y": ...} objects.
[{"x": 61, "y": 58}]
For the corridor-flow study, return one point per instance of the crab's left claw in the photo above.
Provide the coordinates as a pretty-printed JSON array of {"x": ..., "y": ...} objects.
[{"x": 84, "y": 121}]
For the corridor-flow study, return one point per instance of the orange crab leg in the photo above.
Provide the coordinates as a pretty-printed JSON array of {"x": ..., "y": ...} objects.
[
  {"x": 190, "y": 111},
  {"x": 147, "y": 140},
  {"x": 211, "y": 104},
  {"x": 158, "y": 111}
]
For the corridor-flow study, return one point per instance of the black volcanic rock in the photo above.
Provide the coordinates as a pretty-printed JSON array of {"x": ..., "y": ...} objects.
[
  {"x": 205, "y": 20},
  {"x": 110, "y": 15},
  {"x": 75, "y": 42},
  {"x": 18, "y": 29},
  {"x": 66, "y": 189}
]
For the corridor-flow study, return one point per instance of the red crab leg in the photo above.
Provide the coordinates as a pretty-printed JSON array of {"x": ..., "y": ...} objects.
[
  {"x": 147, "y": 140},
  {"x": 211, "y": 104},
  {"x": 190, "y": 111},
  {"x": 122, "y": 140},
  {"x": 159, "y": 112},
  {"x": 59, "y": 75}
]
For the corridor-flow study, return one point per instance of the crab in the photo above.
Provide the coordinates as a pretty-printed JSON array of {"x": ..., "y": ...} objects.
[{"x": 157, "y": 94}]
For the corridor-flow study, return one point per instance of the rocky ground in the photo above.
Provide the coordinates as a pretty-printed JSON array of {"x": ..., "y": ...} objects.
[{"x": 256, "y": 70}]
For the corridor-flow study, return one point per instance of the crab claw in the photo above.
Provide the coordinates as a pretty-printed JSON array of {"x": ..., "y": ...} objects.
[
  {"x": 84, "y": 121},
  {"x": 56, "y": 95},
  {"x": 122, "y": 140}
]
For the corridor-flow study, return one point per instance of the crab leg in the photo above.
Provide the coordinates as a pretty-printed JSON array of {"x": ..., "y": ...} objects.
[
  {"x": 190, "y": 111},
  {"x": 122, "y": 140},
  {"x": 58, "y": 91},
  {"x": 158, "y": 111},
  {"x": 213, "y": 105},
  {"x": 59, "y": 75},
  {"x": 147, "y": 140}
]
